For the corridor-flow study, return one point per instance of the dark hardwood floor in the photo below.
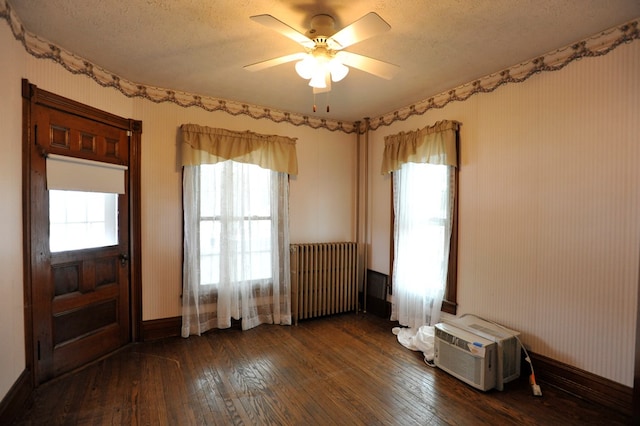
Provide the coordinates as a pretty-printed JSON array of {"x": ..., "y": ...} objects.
[{"x": 342, "y": 370}]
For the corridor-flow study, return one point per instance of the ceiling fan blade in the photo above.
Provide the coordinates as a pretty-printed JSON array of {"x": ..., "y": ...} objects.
[
  {"x": 372, "y": 66},
  {"x": 369, "y": 25},
  {"x": 284, "y": 29},
  {"x": 258, "y": 66}
]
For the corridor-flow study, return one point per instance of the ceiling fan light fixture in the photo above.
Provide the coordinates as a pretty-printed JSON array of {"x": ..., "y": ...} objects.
[
  {"x": 338, "y": 70},
  {"x": 319, "y": 79},
  {"x": 322, "y": 61},
  {"x": 307, "y": 67},
  {"x": 319, "y": 67}
]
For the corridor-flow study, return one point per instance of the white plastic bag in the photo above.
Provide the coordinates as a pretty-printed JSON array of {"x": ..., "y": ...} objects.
[{"x": 421, "y": 340}]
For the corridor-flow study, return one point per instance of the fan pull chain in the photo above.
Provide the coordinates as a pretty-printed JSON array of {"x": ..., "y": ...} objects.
[{"x": 315, "y": 106}]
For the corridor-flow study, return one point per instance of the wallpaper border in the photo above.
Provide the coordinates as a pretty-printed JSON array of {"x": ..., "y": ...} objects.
[{"x": 597, "y": 45}]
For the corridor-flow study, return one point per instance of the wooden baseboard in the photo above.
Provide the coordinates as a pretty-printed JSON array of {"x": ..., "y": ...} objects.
[
  {"x": 582, "y": 384},
  {"x": 15, "y": 401},
  {"x": 161, "y": 328}
]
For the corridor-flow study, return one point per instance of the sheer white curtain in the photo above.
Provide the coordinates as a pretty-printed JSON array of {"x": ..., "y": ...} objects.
[
  {"x": 236, "y": 239},
  {"x": 422, "y": 163},
  {"x": 423, "y": 207}
]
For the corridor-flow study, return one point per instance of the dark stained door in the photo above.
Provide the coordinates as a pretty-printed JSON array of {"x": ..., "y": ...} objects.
[{"x": 80, "y": 298}]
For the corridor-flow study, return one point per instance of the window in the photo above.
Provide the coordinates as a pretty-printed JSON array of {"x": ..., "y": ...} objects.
[
  {"x": 423, "y": 205},
  {"x": 83, "y": 202},
  {"x": 80, "y": 220},
  {"x": 424, "y": 167},
  {"x": 235, "y": 216},
  {"x": 236, "y": 247},
  {"x": 449, "y": 302},
  {"x": 236, "y": 228},
  {"x": 424, "y": 221}
]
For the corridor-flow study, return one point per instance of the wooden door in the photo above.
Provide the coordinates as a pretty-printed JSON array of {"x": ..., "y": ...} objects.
[{"x": 81, "y": 298}]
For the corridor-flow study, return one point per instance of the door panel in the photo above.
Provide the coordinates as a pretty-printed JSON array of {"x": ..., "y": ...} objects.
[
  {"x": 66, "y": 134},
  {"x": 81, "y": 298},
  {"x": 90, "y": 297}
]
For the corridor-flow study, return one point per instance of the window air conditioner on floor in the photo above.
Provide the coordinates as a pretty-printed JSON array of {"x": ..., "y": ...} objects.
[
  {"x": 466, "y": 356},
  {"x": 472, "y": 349}
]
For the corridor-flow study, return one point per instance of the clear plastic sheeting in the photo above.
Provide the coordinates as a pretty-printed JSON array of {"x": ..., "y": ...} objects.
[{"x": 417, "y": 340}]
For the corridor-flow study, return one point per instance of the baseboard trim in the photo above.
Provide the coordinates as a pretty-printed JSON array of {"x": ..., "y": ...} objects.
[
  {"x": 582, "y": 384},
  {"x": 161, "y": 328},
  {"x": 15, "y": 401}
]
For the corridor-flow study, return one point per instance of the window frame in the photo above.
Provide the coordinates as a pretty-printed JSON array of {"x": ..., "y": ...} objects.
[
  {"x": 449, "y": 301},
  {"x": 213, "y": 287}
]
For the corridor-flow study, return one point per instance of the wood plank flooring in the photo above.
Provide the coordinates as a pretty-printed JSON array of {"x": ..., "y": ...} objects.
[{"x": 341, "y": 370}]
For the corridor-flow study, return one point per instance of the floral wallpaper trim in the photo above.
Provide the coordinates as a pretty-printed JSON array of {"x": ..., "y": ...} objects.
[
  {"x": 42, "y": 49},
  {"x": 597, "y": 45}
]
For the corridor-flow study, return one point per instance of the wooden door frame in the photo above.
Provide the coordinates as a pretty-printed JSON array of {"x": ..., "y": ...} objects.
[
  {"x": 32, "y": 96},
  {"x": 636, "y": 375}
]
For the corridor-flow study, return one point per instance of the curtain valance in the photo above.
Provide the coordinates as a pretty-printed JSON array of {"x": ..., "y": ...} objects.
[
  {"x": 433, "y": 144},
  {"x": 207, "y": 145}
]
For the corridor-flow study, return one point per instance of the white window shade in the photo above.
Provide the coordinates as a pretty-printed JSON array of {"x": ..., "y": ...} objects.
[{"x": 76, "y": 174}]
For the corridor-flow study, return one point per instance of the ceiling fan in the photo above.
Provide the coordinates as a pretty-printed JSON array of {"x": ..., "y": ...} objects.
[{"x": 324, "y": 59}]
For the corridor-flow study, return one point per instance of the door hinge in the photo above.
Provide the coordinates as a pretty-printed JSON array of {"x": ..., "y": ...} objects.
[
  {"x": 129, "y": 133},
  {"x": 38, "y": 350}
]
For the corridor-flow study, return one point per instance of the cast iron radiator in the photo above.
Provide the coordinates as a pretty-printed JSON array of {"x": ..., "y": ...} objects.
[{"x": 323, "y": 279}]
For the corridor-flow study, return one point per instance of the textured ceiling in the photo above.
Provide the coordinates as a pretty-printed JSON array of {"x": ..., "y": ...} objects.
[{"x": 201, "y": 46}]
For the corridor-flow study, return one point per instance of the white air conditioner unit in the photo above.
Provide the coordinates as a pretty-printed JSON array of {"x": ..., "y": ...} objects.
[
  {"x": 467, "y": 356},
  {"x": 508, "y": 345}
]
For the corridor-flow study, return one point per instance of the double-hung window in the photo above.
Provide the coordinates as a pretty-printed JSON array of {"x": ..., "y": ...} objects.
[
  {"x": 423, "y": 197},
  {"x": 235, "y": 223},
  {"x": 236, "y": 228},
  {"x": 423, "y": 164}
]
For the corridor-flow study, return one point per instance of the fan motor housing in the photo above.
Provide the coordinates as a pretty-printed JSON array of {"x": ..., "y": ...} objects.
[{"x": 322, "y": 27}]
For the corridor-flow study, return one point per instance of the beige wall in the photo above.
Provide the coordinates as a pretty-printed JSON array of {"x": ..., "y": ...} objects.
[
  {"x": 549, "y": 209},
  {"x": 321, "y": 196},
  {"x": 322, "y": 206},
  {"x": 11, "y": 300},
  {"x": 549, "y": 213}
]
